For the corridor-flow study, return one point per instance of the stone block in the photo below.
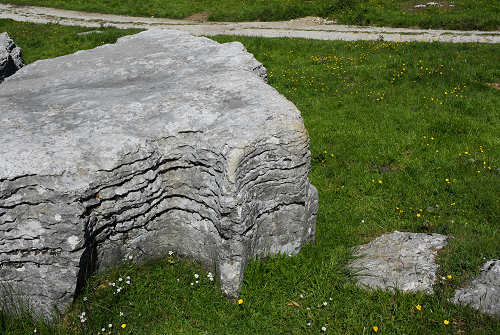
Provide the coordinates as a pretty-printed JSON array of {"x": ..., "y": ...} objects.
[
  {"x": 162, "y": 141},
  {"x": 10, "y": 57}
]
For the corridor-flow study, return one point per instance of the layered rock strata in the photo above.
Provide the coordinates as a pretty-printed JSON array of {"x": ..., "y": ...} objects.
[
  {"x": 162, "y": 141},
  {"x": 398, "y": 260},
  {"x": 10, "y": 57}
]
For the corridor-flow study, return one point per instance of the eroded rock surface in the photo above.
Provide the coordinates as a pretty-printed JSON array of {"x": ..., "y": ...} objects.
[
  {"x": 484, "y": 291},
  {"x": 10, "y": 57},
  {"x": 162, "y": 141},
  {"x": 400, "y": 260}
]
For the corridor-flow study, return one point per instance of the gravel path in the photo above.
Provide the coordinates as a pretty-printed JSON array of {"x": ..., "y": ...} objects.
[{"x": 309, "y": 27}]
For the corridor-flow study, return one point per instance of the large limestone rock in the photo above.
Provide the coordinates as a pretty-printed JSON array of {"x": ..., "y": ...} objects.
[
  {"x": 399, "y": 260},
  {"x": 483, "y": 293},
  {"x": 162, "y": 141},
  {"x": 10, "y": 57}
]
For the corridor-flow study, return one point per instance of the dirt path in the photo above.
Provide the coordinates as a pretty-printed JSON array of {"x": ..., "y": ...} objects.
[{"x": 309, "y": 27}]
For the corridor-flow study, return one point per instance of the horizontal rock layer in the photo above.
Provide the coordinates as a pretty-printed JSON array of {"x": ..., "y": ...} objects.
[{"x": 162, "y": 141}]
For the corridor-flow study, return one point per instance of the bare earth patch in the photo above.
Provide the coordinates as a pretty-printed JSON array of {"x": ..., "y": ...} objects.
[{"x": 199, "y": 17}]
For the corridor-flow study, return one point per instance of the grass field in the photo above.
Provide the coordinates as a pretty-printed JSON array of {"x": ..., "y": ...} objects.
[
  {"x": 404, "y": 136},
  {"x": 457, "y": 14}
]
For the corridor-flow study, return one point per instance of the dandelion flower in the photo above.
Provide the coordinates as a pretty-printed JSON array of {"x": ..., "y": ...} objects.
[
  {"x": 449, "y": 276},
  {"x": 375, "y": 329},
  {"x": 446, "y": 322},
  {"x": 124, "y": 325},
  {"x": 240, "y": 301},
  {"x": 418, "y": 215}
]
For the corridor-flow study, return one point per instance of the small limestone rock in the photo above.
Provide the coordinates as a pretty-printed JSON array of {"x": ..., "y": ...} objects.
[
  {"x": 10, "y": 57},
  {"x": 484, "y": 291},
  {"x": 399, "y": 260}
]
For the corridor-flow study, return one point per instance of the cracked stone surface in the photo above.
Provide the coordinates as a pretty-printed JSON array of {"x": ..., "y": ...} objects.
[
  {"x": 483, "y": 293},
  {"x": 398, "y": 260},
  {"x": 10, "y": 57},
  {"x": 162, "y": 141}
]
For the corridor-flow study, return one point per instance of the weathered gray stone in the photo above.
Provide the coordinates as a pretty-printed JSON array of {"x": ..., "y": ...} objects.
[
  {"x": 162, "y": 141},
  {"x": 483, "y": 293},
  {"x": 10, "y": 57},
  {"x": 399, "y": 260}
]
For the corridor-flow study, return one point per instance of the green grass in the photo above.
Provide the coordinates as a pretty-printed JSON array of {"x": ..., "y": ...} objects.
[
  {"x": 40, "y": 41},
  {"x": 462, "y": 14},
  {"x": 410, "y": 115}
]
